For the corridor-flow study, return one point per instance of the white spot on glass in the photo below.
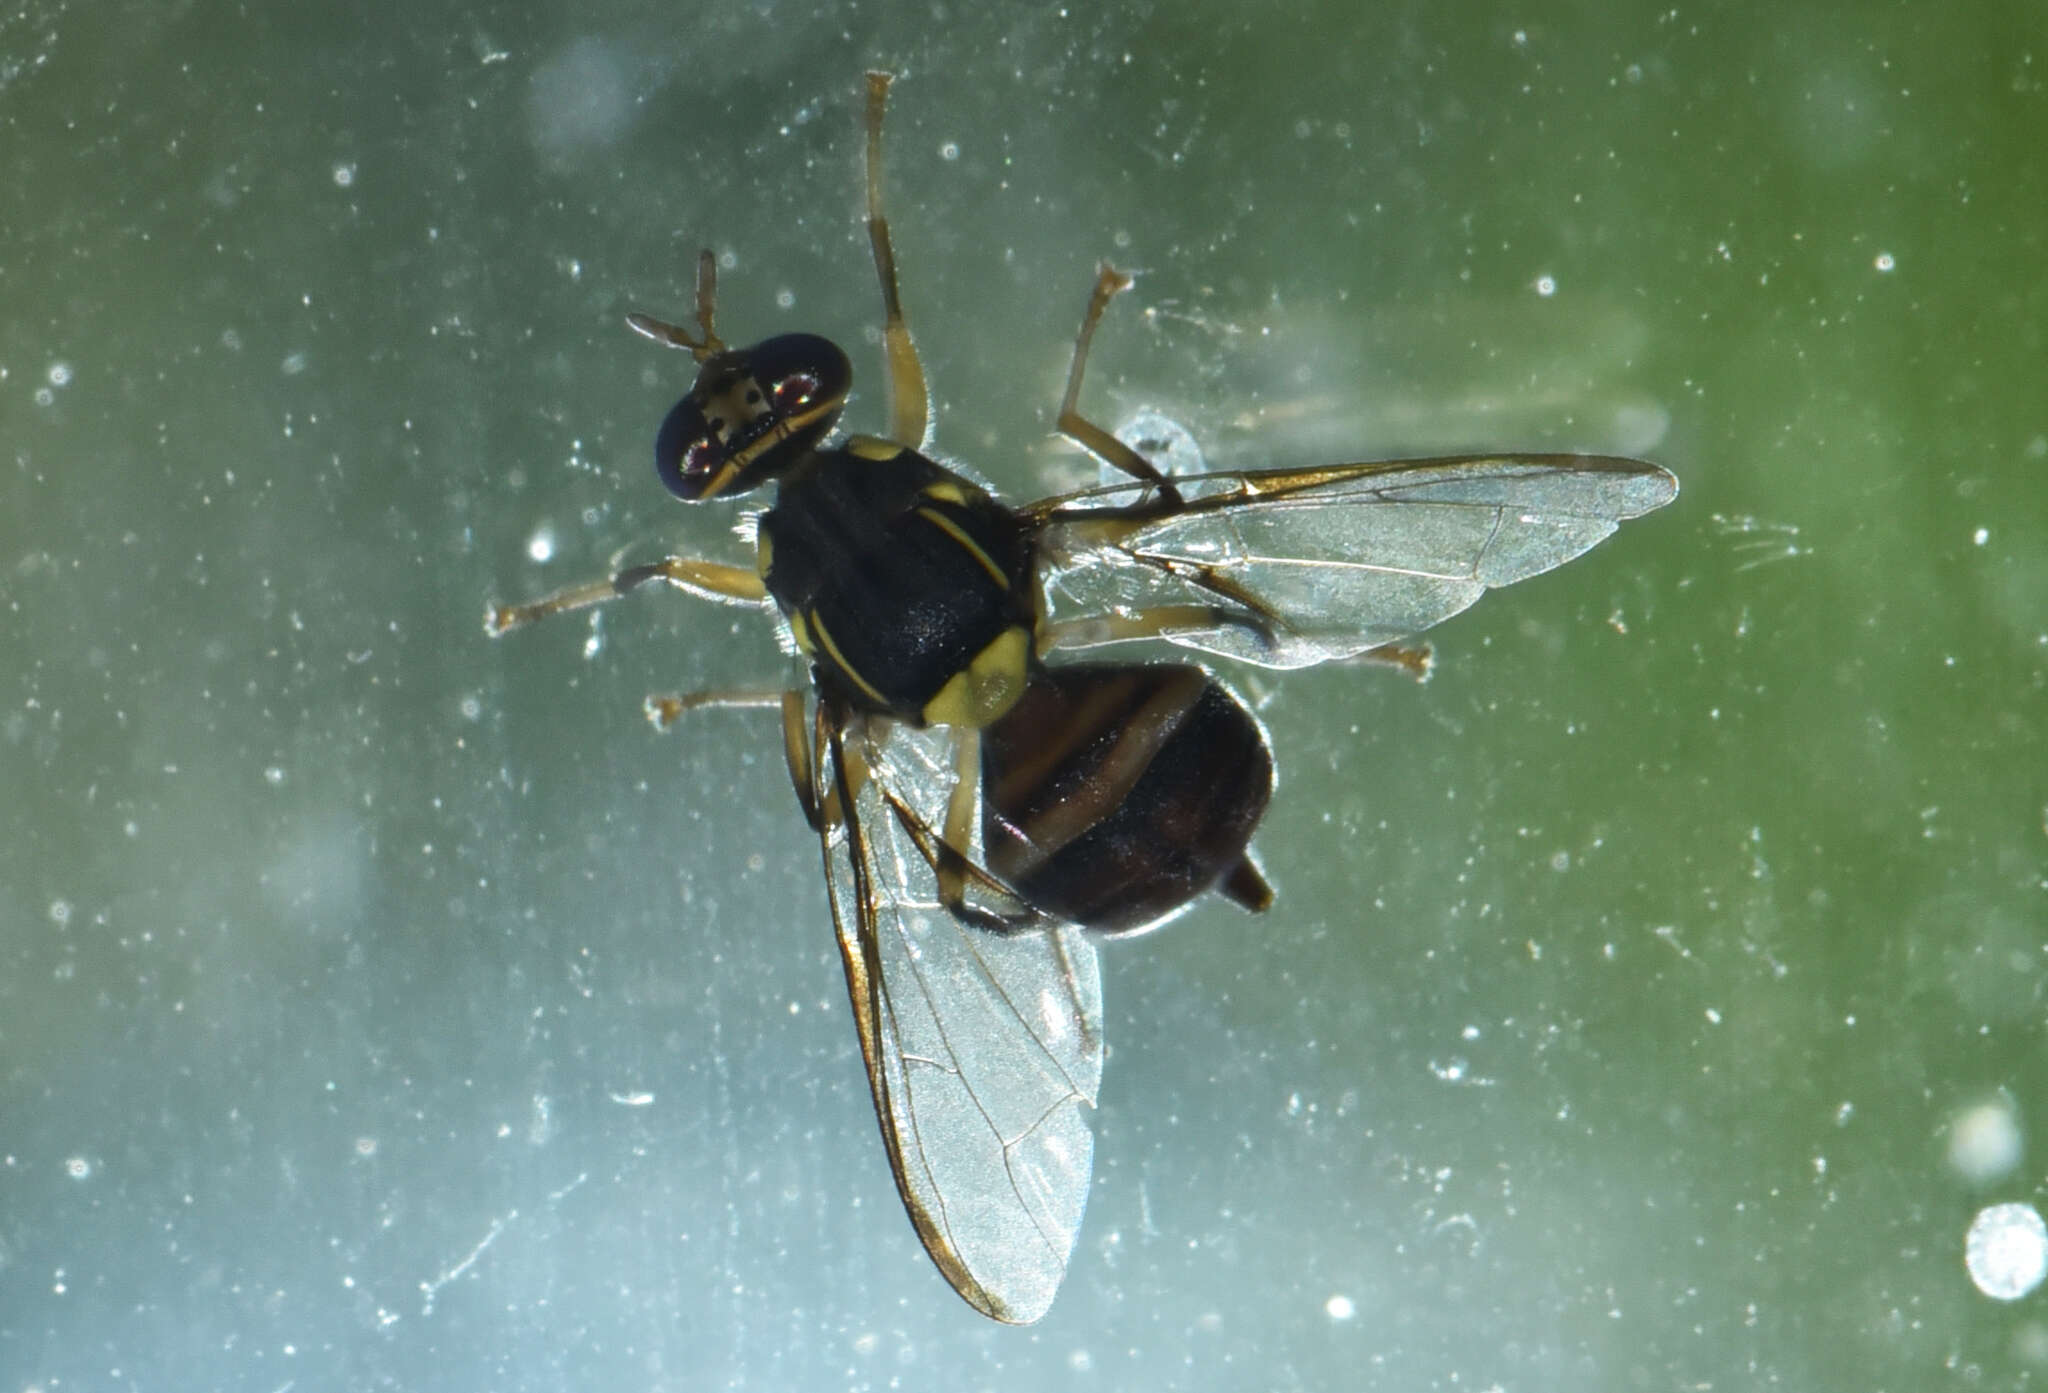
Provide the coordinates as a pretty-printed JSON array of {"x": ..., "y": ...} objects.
[
  {"x": 2007, "y": 1251},
  {"x": 1984, "y": 1141}
]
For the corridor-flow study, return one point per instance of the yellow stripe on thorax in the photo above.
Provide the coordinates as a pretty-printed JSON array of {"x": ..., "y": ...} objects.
[
  {"x": 824, "y": 638},
  {"x": 973, "y": 548}
]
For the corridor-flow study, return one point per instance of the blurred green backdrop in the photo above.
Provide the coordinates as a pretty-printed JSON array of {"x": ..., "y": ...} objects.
[{"x": 384, "y": 1007}]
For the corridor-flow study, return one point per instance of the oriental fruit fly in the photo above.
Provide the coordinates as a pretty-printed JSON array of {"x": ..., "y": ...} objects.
[{"x": 986, "y": 807}]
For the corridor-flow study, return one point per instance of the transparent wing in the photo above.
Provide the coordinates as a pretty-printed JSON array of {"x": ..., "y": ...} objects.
[
  {"x": 1308, "y": 565},
  {"x": 984, "y": 1049}
]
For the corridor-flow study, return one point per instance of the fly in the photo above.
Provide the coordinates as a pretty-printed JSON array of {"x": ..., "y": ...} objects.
[{"x": 986, "y": 806}]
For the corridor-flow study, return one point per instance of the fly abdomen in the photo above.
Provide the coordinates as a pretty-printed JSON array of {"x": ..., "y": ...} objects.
[{"x": 1113, "y": 795}]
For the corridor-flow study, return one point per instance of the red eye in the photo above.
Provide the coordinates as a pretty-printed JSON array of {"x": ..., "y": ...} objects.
[
  {"x": 795, "y": 390},
  {"x": 700, "y": 458}
]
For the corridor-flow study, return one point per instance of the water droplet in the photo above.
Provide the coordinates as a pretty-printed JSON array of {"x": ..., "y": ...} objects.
[
  {"x": 2007, "y": 1251},
  {"x": 1984, "y": 1141},
  {"x": 1159, "y": 438}
]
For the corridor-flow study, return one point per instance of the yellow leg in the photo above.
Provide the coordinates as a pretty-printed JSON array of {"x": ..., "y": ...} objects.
[
  {"x": 1161, "y": 621},
  {"x": 1109, "y": 282},
  {"x": 800, "y": 755},
  {"x": 962, "y": 806},
  {"x": 664, "y": 709},
  {"x": 909, "y": 406},
  {"x": 1418, "y": 660},
  {"x": 709, "y": 580}
]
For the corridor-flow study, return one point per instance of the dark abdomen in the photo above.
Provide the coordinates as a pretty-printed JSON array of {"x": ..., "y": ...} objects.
[{"x": 1113, "y": 795}]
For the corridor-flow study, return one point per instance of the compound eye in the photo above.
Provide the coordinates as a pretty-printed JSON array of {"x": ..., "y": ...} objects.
[
  {"x": 700, "y": 459},
  {"x": 795, "y": 391}
]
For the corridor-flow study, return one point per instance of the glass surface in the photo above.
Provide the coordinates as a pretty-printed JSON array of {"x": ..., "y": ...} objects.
[{"x": 1652, "y": 1000}]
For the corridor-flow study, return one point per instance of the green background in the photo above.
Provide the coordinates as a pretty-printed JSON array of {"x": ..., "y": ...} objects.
[{"x": 385, "y": 1007}]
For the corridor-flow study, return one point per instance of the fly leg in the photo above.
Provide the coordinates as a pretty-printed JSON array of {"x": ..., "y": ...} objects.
[
  {"x": 1109, "y": 282},
  {"x": 1418, "y": 660},
  {"x": 1160, "y": 621},
  {"x": 909, "y": 407},
  {"x": 709, "y": 580},
  {"x": 951, "y": 856},
  {"x": 961, "y": 807},
  {"x": 800, "y": 754},
  {"x": 664, "y": 709},
  {"x": 821, "y": 809}
]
